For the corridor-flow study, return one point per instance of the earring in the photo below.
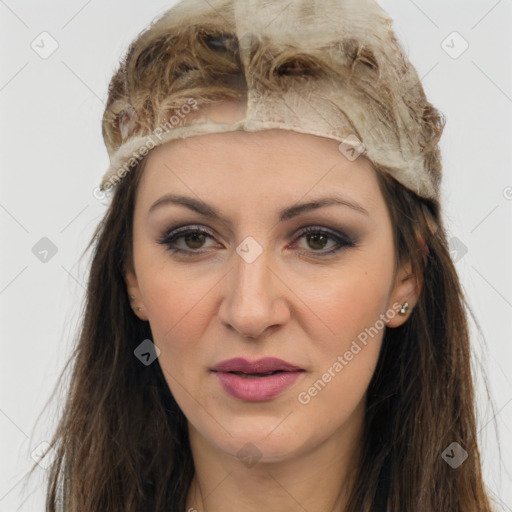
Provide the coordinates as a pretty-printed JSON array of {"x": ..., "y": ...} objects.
[
  {"x": 403, "y": 310},
  {"x": 132, "y": 298}
]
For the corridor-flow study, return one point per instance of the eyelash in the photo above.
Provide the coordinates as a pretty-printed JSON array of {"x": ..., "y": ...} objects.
[{"x": 170, "y": 237}]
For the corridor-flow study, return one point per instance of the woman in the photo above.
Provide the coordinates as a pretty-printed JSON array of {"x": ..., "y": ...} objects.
[{"x": 273, "y": 319}]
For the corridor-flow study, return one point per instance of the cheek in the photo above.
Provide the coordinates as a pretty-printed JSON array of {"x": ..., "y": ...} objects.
[
  {"x": 177, "y": 317},
  {"x": 176, "y": 309},
  {"x": 346, "y": 327},
  {"x": 343, "y": 364},
  {"x": 178, "y": 302},
  {"x": 348, "y": 303}
]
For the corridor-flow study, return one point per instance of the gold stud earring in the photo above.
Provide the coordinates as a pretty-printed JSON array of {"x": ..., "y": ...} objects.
[
  {"x": 403, "y": 309},
  {"x": 132, "y": 298}
]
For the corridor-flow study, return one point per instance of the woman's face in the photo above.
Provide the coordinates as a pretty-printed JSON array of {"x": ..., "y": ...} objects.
[{"x": 248, "y": 282}]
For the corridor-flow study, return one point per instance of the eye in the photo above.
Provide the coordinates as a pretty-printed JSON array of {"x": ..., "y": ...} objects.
[
  {"x": 317, "y": 238},
  {"x": 194, "y": 237}
]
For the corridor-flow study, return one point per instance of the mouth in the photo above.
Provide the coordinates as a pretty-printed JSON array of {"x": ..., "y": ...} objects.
[
  {"x": 260, "y": 375},
  {"x": 266, "y": 365},
  {"x": 256, "y": 381}
]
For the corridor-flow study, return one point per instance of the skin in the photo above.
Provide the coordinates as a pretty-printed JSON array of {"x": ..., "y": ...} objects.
[{"x": 289, "y": 303}]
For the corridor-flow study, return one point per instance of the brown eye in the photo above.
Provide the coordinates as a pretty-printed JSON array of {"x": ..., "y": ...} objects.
[
  {"x": 317, "y": 241},
  {"x": 193, "y": 239},
  {"x": 318, "y": 238}
]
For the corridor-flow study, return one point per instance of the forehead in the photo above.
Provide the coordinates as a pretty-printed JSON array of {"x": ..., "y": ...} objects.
[{"x": 278, "y": 161}]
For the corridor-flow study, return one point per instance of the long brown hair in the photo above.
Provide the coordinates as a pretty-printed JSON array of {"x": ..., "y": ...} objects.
[{"x": 122, "y": 441}]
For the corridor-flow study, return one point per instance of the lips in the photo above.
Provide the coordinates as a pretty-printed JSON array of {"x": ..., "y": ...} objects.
[
  {"x": 266, "y": 365},
  {"x": 256, "y": 381}
]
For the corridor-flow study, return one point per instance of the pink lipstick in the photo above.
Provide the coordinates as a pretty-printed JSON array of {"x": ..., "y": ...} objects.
[{"x": 256, "y": 381}]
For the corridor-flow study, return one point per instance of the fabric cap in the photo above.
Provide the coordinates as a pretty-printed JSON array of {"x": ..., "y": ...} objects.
[{"x": 331, "y": 68}]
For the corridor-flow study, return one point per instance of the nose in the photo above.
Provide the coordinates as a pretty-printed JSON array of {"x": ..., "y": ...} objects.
[{"x": 255, "y": 298}]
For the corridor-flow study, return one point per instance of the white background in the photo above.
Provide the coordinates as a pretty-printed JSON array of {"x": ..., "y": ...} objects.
[{"x": 52, "y": 157}]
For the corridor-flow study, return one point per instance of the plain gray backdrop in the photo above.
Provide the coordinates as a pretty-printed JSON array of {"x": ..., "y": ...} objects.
[{"x": 56, "y": 62}]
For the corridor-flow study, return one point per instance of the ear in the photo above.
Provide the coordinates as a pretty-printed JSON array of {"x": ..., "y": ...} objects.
[
  {"x": 406, "y": 288},
  {"x": 133, "y": 290}
]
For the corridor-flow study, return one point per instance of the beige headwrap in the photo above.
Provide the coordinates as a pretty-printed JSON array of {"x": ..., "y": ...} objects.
[{"x": 331, "y": 68}]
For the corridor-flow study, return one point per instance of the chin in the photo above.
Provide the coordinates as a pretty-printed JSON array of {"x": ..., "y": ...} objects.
[{"x": 263, "y": 443}]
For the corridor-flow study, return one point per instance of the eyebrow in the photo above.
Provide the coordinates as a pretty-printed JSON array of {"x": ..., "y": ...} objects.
[{"x": 285, "y": 214}]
